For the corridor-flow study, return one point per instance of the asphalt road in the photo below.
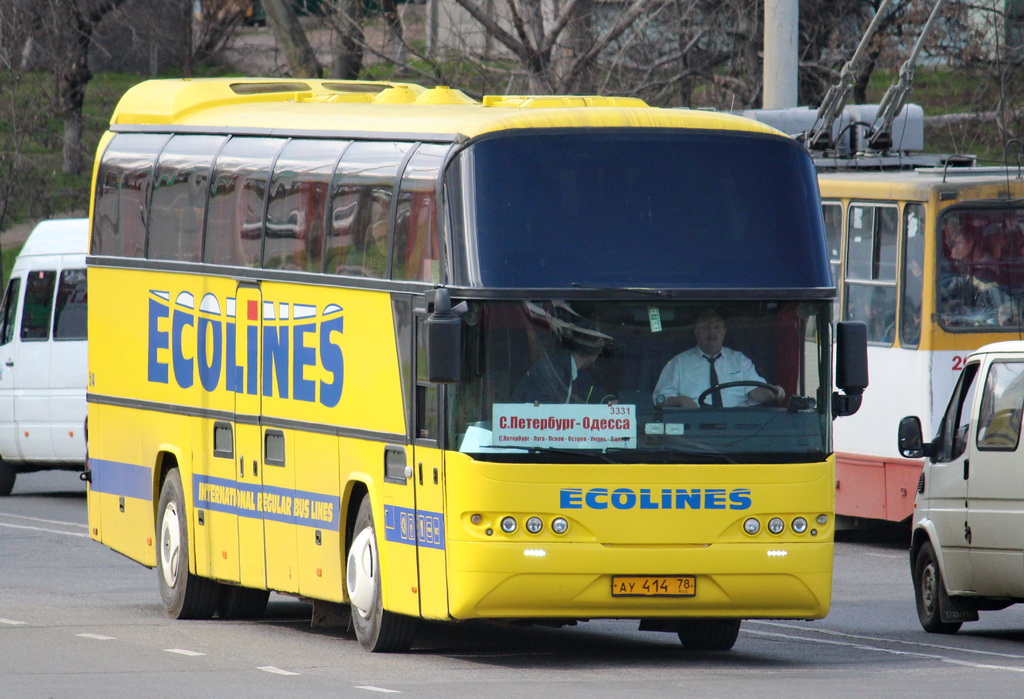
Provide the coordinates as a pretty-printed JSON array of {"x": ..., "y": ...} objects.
[{"x": 77, "y": 620}]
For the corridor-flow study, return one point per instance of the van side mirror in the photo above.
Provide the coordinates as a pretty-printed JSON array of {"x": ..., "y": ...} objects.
[
  {"x": 444, "y": 339},
  {"x": 910, "y": 440},
  {"x": 851, "y": 366}
]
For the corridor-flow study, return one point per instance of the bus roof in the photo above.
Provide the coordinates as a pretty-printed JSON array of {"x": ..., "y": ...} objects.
[
  {"x": 953, "y": 183},
  {"x": 263, "y": 105}
]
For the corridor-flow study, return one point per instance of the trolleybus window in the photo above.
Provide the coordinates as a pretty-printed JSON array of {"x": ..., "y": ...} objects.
[
  {"x": 870, "y": 294},
  {"x": 913, "y": 275}
]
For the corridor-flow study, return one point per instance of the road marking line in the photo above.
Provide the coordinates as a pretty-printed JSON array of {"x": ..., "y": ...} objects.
[
  {"x": 95, "y": 636},
  {"x": 45, "y": 521},
  {"x": 43, "y": 529},
  {"x": 890, "y": 651},
  {"x": 182, "y": 651},
  {"x": 876, "y": 639},
  {"x": 370, "y": 688},
  {"x": 275, "y": 670},
  {"x": 12, "y": 622}
]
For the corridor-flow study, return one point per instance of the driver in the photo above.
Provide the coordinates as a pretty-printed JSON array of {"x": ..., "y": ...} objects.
[{"x": 692, "y": 372}]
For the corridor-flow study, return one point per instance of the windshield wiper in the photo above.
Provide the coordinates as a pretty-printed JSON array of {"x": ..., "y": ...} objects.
[{"x": 632, "y": 290}]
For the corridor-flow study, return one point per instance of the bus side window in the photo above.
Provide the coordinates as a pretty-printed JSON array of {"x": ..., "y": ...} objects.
[
  {"x": 179, "y": 198},
  {"x": 69, "y": 315},
  {"x": 297, "y": 210},
  {"x": 361, "y": 208},
  {"x": 234, "y": 219},
  {"x": 10, "y": 310},
  {"x": 417, "y": 249},
  {"x": 870, "y": 289},
  {"x": 913, "y": 275},
  {"x": 122, "y": 192},
  {"x": 35, "y": 315}
]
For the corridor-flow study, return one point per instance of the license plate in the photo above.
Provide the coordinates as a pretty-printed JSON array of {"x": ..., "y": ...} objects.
[{"x": 654, "y": 585}]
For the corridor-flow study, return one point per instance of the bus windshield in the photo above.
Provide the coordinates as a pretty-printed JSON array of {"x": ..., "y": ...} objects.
[
  {"x": 610, "y": 208},
  {"x": 628, "y": 381},
  {"x": 981, "y": 268}
]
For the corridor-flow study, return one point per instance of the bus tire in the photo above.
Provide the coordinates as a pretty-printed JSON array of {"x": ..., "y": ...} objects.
[
  {"x": 185, "y": 596},
  {"x": 241, "y": 602},
  {"x": 376, "y": 629},
  {"x": 709, "y": 634},
  {"x": 928, "y": 588},
  {"x": 8, "y": 474}
]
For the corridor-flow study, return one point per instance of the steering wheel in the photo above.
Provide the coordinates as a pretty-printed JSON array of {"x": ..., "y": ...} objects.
[{"x": 731, "y": 384}]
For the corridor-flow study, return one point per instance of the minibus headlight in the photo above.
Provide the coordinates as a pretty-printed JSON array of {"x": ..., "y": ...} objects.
[
  {"x": 559, "y": 525},
  {"x": 799, "y": 525},
  {"x": 508, "y": 525},
  {"x": 776, "y": 525},
  {"x": 534, "y": 525},
  {"x": 751, "y": 526}
]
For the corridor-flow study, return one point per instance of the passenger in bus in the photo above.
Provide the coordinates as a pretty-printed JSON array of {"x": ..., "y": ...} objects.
[
  {"x": 692, "y": 372},
  {"x": 565, "y": 376},
  {"x": 966, "y": 299}
]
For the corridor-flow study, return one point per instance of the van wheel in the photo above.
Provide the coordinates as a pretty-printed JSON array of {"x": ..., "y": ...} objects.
[
  {"x": 241, "y": 602},
  {"x": 185, "y": 596},
  {"x": 928, "y": 587},
  {"x": 709, "y": 634},
  {"x": 377, "y": 629},
  {"x": 7, "y": 476}
]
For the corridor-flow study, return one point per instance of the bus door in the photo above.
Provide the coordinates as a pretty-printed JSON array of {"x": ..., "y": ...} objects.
[{"x": 428, "y": 478}]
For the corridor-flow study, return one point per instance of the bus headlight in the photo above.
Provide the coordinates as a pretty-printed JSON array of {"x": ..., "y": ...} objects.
[
  {"x": 559, "y": 525},
  {"x": 508, "y": 525},
  {"x": 534, "y": 525},
  {"x": 751, "y": 526},
  {"x": 776, "y": 525},
  {"x": 799, "y": 525},
  {"x": 822, "y": 519}
]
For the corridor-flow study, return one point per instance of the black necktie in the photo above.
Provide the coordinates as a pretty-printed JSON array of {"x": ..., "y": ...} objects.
[{"x": 716, "y": 397}]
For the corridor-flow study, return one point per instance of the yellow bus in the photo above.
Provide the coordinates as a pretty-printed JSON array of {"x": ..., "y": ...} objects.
[
  {"x": 386, "y": 346},
  {"x": 932, "y": 260}
]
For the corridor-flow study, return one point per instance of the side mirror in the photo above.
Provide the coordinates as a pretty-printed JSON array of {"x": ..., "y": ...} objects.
[
  {"x": 444, "y": 340},
  {"x": 851, "y": 366},
  {"x": 910, "y": 440}
]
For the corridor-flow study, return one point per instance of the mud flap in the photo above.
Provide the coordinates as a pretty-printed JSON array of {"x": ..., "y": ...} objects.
[{"x": 955, "y": 609}]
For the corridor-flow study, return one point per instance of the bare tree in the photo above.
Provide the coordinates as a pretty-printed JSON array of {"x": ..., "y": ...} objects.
[{"x": 302, "y": 60}]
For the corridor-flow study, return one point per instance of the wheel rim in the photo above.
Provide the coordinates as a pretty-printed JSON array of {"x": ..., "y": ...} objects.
[
  {"x": 170, "y": 545},
  {"x": 929, "y": 583},
  {"x": 361, "y": 575}
]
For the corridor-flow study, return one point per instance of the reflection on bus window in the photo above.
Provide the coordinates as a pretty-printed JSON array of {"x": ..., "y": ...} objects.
[{"x": 981, "y": 270}]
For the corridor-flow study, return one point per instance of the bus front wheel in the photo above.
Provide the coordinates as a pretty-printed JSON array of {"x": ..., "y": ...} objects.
[
  {"x": 185, "y": 596},
  {"x": 377, "y": 629},
  {"x": 708, "y": 634}
]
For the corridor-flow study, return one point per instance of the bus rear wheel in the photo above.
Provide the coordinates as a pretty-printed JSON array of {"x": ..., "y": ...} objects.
[
  {"x": 709, "y": 634},
  {"x": 377, "y": 629},
  {"x": 185, "y": 596}
]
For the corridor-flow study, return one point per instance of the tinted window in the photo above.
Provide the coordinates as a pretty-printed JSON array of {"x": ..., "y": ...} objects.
[
  {"x": 35, "y": 316},
  {"x": 69, "y": 318},
  {"x": 122, "y": 194},
  {"x": 10, "y": 310},
  {"x": 238, "y": 190},
  {"x": 417, "y": 249},
  {"x": 638, "y": 208},
  {"x": 361, "y": 208},
  {"x": 179, "y": 198},
  {"x": 297, "y": 211}
]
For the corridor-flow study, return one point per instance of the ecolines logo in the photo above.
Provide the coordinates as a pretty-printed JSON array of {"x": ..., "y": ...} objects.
[
  {"x": 215, "y": 345},
  {"x": 650, "y": 499}
]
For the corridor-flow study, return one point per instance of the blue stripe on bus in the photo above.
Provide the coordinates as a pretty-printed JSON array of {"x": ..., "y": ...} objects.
[
  {"x": 405, "y": 526},
  {"x": 118, "y": 478},
  {"x": 300, "y": 507}
]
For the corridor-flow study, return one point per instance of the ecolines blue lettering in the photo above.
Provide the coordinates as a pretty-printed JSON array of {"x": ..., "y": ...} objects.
[
  {"x": 203, "y": 343},
  {"x": 645, "y": 499}
]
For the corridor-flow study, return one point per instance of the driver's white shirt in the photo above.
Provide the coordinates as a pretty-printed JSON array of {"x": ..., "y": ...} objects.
[{"x": 688, "y": 374}]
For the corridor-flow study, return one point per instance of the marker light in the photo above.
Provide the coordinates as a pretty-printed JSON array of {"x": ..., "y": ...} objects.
[
  {"x": 534, "y": 525},
  {"x": 535, "y": 553},
  {"x": 799, "y": 525},
  {"x": 776, "y": 525},
  {"x": 559, "y": 525},
  {"x": 751, "y": 526},
  {"x": 476, "y": 519},
  {"x": 822, "y": 519},
  {"x": 508, "y": 525}
]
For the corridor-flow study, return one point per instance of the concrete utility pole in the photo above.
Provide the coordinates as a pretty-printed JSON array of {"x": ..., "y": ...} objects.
[{"x": 781, "y": 32}]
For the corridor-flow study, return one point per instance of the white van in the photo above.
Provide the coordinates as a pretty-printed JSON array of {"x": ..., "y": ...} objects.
[
  {"x": 43, "y": 354},
  {"x": 967, "y": 541}
]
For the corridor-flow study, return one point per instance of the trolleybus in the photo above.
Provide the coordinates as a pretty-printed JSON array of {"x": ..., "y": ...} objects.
[{"x": 338, "y": 338}]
